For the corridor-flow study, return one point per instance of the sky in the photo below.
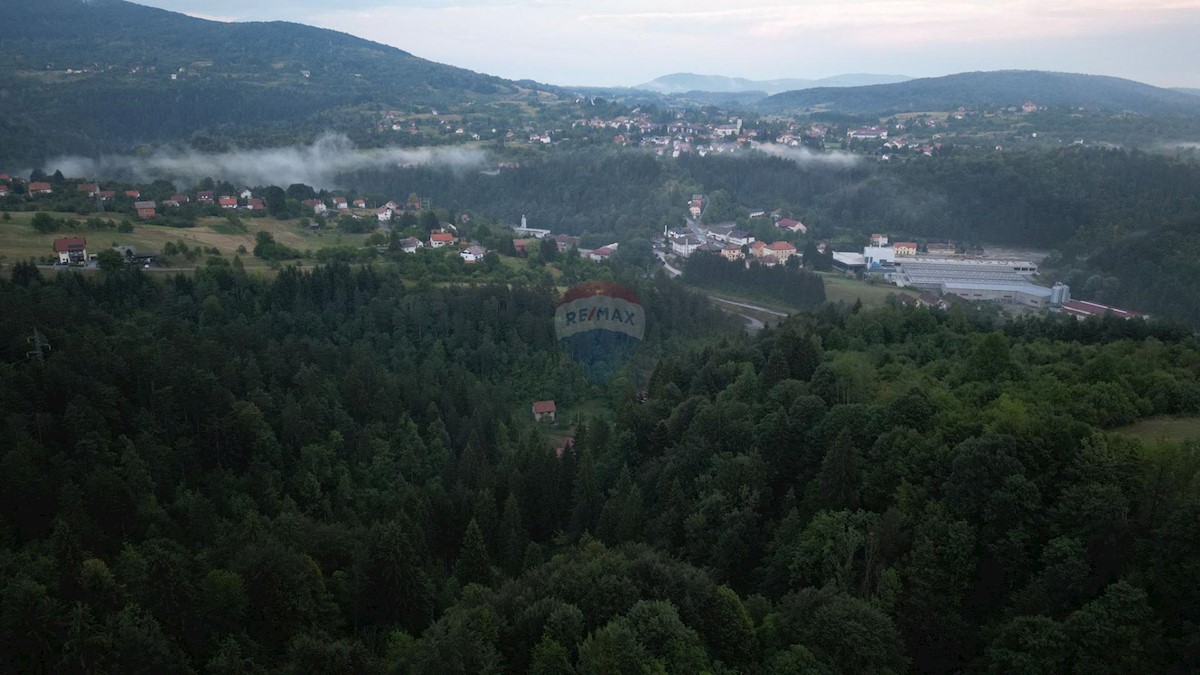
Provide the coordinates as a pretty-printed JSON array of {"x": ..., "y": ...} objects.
[{"x": 627, "y": 42}]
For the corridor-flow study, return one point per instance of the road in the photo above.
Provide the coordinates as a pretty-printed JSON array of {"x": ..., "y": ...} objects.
[
  {"x": 753, "y": 324},
  {"x": 746, "y": 305}
]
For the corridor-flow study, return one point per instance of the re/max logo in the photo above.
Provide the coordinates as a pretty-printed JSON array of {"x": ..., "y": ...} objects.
[{"x": 613, "y": 314}]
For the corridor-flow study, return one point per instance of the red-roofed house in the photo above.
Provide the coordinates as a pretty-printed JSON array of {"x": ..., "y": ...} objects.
[
  {"x": 732, "y": 252},
  {"x": 440, "y": 239},
  {"x": 90, "y": 188},
  {"x": 544, "y": 410},
  {"x": 106, "y": 195},
  {"x": 179, "y": 199},
  {"x": 360, "y": 203},
  {"x": 879, "y": 240},
  {"x": 145, "y": 209},
  {"x": 71, "y": 249},
  {"x": 133, "y": 193},
  {"x": 791, "y": 224},
  {"x": 40, "y": 188},
  {"x": 781, "y": 250},
  {"x": 340, "y": 203},
  {"x": 255, "y": 204},
  {"x": 229, "y": 202}
]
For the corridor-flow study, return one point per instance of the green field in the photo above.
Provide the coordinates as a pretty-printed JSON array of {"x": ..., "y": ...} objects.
[
  {"x": 19, "y": 241},
  {"x": 839, "y": 287},
  {"x": 1163, "y": 428}
]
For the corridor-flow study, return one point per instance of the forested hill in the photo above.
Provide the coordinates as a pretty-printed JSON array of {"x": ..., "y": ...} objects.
[
  {"x": 991, "y": 89},
  {"x": 337, "y": 472},
  {"x": 81, "y": 77}
]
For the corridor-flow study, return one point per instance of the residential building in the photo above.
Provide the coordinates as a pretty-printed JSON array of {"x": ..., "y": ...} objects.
[
  {"x": 879, "y": 240},
  {"x": 410, "y": 244},
  {"x": 544, "y": 411},
  {"x": 360, "y": 203},
  {"x": 90, "y": 188},
  {"x": 205, "y": 197},
  {"x": 905, "y": 248},
  {"x": 791, "y": 224},
  {"x": 781, "y": 250},
  {"x": 228, "y": 202},
  {"x": 71, "y": 250},
  {"x": 732, "y": 252},
  {"x": 440, "y": 239},
  {"x": 40, "y": 188},
  {"x": 255, "y": 204},
  {"x": 473, "y": 253},
  {"x": 145, "y": 209}
]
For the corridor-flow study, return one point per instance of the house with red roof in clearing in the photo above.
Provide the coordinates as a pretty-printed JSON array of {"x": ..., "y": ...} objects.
[
  {"x": 133, "y": 194},
  {"x": 40, "y": 188},
  {"x": 229, "y": 202},
  {"x": 255, "y": 204},
  {"x": 90, "y": 188},
  {"x": 71, "y": 250},
  {"x": 360, "y": 203},
  {"x": 544, "y": 411},
  {"x": 791, "y": 224},
  {"x": 440, "y": 239},
  {"x": 145, "y": 209}
]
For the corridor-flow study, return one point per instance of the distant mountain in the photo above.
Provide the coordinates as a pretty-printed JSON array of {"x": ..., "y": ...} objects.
[
  {"x": 88, "y": 76},
  {"x": 681, "y": 83},
  {"x": 1187, "y": 90},
  {"x": 984, "y": 89}
]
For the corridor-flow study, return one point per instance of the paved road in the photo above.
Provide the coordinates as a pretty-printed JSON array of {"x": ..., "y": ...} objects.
[{"x": 746, "y": 305}]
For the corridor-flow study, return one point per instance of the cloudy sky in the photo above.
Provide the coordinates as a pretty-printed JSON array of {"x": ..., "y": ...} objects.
[{"x": 626, "y": 42}]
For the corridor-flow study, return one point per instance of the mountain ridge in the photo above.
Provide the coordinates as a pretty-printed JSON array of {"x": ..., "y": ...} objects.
[
  {"x": 103, "y": 75},
  {"x": 990, "y": 88},
  {"x": 681, "y": 83}
]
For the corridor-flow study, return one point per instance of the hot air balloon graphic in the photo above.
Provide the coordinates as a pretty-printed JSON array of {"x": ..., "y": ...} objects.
[{"x": 600, "y": 325}]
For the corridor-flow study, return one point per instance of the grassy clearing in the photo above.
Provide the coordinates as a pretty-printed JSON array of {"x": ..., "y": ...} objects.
[
  {"x": 1163, "y": 428},
  {"x": 839, "y": 287},
  {"x": 19, "y": 241}
]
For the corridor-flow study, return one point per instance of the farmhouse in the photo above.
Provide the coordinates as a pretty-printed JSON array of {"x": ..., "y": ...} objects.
[
  {"x": 791, "y": 224},
  {"x": 145, "y": 209},
  {"x": 40, "y": 188},
  {"x": 440, "y": 239},
  {"x": 473, "y": 253},
  {"x": 544, "y": 411},
  {"x": 229, "y": 202},
  {"x": 71, "y": 250}
]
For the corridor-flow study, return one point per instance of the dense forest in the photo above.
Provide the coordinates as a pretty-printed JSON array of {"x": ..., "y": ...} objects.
[
  {"x": 333, "y": 471},
  {"x": 787, "y": 283}
]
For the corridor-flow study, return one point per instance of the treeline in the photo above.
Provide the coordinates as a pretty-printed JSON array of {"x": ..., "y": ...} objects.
[
  {"x": 1155, "y": 272},
  {"x": 333, "y": 472},
  {"x": 788, "y": 283}
]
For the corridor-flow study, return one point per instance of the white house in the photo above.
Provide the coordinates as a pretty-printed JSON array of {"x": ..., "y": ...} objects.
[{"x": 473, "y": 253}]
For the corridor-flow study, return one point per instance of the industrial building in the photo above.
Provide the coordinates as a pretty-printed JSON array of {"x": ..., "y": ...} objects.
[
  {"x": 1024, "y": 294},
  {"x": 931, "y": 273}
]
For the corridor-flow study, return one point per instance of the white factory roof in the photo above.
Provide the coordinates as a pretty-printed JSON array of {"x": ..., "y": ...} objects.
[
  {"x": 1028, "y": 289},
  {"x": 847, "y": 258}
]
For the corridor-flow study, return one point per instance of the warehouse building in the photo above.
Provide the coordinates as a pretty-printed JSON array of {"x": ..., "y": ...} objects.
[{"x": 1023, "y": 294}]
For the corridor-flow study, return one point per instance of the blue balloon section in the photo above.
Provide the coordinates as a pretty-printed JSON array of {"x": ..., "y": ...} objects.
[{"x": 600, "y": 325}]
